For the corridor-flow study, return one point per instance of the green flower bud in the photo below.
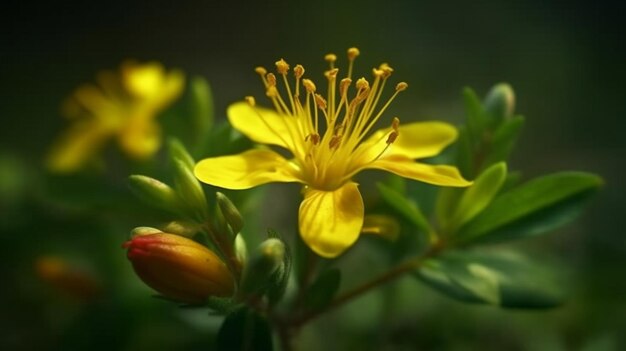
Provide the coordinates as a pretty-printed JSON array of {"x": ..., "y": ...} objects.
[
  {"x": 190, "y": 190},
  {"x": 184, "y": 228},
  {"x": 500, "y": 103},
  {"x": 241, "y": 250},
  {"x": 263, "y": 263},
  {"x": 179, "y": 268},
  {"x": 230, "y": 212},
  {"x": 154, "y": 192},
  {"x": 178, "y": 152},
  {"x": 144, "y": 231}
]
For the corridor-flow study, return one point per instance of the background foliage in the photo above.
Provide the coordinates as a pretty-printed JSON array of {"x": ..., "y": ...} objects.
[{"x": 563, "y": 59}]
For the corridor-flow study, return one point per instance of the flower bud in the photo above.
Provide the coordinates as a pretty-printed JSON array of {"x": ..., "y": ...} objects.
[
  {"x": 178, "y": 152},
  {"x": 230, "y": 212},
  {"x": 179, "y": 268},
  {"x": 154, "y": 192},
  {"x": 500, "y": 103},
  {"x": 190, "y": 190},
  {"x": 265, "y": 261}
]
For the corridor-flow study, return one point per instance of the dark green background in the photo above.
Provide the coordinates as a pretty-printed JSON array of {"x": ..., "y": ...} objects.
[{"x": 564, "y": 59}]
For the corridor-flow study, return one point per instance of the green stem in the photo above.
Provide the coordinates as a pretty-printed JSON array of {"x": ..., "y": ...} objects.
[{"x": 395, "y": 272}]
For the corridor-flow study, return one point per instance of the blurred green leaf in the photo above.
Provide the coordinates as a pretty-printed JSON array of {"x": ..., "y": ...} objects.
[
  {"x": 478, "y": 196},
  {"x": 512, "y": 180},
  {"x": 404, "y": 207},
  {"x": 465, "y": 153},
  {"x": 178, "y": 151},
  {"x": 504, "y": 139},
  {"x": 474, "y": 115},
  {"x": 500, "y": 278},
  {"x": 202, "y": 110},
  {"x": 445, "y": 205},
  {"x": 322, "y": 291},
  {"x": 533, "y": 208},
  {"x": 244, "y": 330}
]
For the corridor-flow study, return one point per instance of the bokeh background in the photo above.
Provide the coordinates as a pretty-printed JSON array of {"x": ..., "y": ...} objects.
[{"x": 565, "y": 61}]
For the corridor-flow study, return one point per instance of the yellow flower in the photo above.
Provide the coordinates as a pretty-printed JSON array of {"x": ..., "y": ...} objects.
[
  {"x": 179, "y": 268},
  {"x": 330, "y": 141},
  {"x": 121, "y": 105}
]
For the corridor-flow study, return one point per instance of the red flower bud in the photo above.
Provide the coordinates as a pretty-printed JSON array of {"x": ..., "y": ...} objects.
[{"x": 179, "y": 268}]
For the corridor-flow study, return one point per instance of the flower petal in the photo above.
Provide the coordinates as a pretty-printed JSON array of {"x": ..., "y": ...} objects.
[
  {"x": 140, "y": 138},
  {"x": 415, "y": 140},
  {"x": 330, "y": 221},
  {"x": 262, "y": 125},
  {"x": 432, "y": 174},
  {"x": 246, "y": 170},
  {"x": 77, "y": 146}
]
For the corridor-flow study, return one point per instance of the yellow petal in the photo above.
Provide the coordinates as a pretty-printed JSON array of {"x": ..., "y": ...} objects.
[
  {"x": 140, "y": 138},
  {"x": 432, "y": 174},
  {"x": 262, "y": 125},
  {"x": 76, "y": 146},
  {"x": 246, "y": 170},
  {"x": 330, "y": 221},
  {"x": 415, "y": 140}
]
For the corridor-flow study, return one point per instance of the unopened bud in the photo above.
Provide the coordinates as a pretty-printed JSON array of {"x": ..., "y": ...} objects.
[
  {"x": 190, "y": 190},
  {"x": 500, "y": 103},
  {"x": 144, "y": 231},
  {"x": 241, "y": 249},
  {"x": 184, "y": 228},
  {"x": 179, "y": 268},
  {"x": 230, "y": 212},
  {"x": 178, "y": 151},
  {"x": 154, "y": 192},
  {"x": 262, "y": 264}
]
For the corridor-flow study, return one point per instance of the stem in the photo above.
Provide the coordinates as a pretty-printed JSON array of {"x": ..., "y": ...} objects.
[{"x": 388, "y": 276}]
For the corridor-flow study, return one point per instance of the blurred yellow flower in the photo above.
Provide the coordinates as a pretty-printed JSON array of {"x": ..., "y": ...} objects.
[
  {"x": 120, "y": 105},
  {"x": 326, "y": 157}
]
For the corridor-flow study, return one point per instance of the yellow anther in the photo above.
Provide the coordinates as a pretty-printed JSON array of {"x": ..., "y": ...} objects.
[
  {"x": 401, "y": 86},
  {"x": 387, "y": 70},
  {"x": 271, "y": 91},
  {"x": 362, "y": 83},
  {"x": 282, "y": 67},
  {"x": 353, "y": 53},
  {"x": 261, "y": 70},
  {"x": 377, "y": 72},
  {"x": 320, "y": 101},
  {"x": 271, "y": 79},
  {"x": 250, "y": 100},
  {"x": 395, "y": 123},
  {"x": 314, "y": 137},
  {"x": 392, "y": 137},
  {"x": 330, "y": 58},
  {"x": 343, "y": 86},
  {"x": 331, "y": 73},
  {"x": 298, "y": 71},
  {"x": 308, "y": 85},
  {"x": 335, "y": 141}
]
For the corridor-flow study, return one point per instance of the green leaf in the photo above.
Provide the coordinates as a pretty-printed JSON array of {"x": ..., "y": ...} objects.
[
  {"x": 322, "y": 291},
  {"x": 405, "y": 207},
  {"x": 474, "y": 115},
  {"x": 202, "y": 110},
  {"x": 244, "y": 330},
  {"x": 504, "y": 279},
  {"x": 533, "y": 208},
  {"x": 504, "y": 139},
  {"x": 512, "y": 180},
  {"x": 478, "y": 196},
  {"x": 445, "y": 205},
  {"x": 465, "y": 153}
]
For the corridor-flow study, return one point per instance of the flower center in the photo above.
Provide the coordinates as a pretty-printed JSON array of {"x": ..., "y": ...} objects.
[{"x": 325, "y": 135}]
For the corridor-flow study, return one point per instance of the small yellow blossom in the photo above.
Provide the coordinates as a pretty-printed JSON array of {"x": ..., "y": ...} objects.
[
  {"x": 120, "y": 105},
  {"x": 331, "y": 140}
]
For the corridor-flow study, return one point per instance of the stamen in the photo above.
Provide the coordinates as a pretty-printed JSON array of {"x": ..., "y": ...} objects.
[
  {"x": 282, "y": 67},
  {"x": 352, "y": 54},
  {"x": 401, "y": 86},
  {"x": 271, "y": 79},
  {"x": 309, "y": 86},
  {"x": 298, "y": 72},
  {"x": 331, "y": 58},
  {"x": 262, "y": 72},
  {"x": 250, "y": 100}
]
